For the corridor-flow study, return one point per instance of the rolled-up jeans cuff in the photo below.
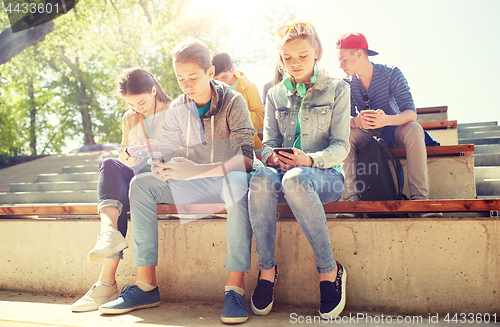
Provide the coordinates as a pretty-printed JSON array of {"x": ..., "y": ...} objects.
[
  {"x": 327, "y": 270},
  {"x": 110, "y": 203},
  {"x": 117, "y": 255},
  {"x": 267, "y": 267}
]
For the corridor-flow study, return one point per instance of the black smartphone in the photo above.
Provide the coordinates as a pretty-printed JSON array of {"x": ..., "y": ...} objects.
[{"x": 287, "y": 150}]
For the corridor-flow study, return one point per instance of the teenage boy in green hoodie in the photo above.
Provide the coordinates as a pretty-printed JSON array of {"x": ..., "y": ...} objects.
[{"x": 212, "y": 124}]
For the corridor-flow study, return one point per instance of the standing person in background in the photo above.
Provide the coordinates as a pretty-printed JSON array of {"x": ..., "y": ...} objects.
[
  {"x": 225, "y": 72},
  {"x": 381, "y": 103},
  {"x": 147, "y": 104},
  {"x": 308, "y": 111}
]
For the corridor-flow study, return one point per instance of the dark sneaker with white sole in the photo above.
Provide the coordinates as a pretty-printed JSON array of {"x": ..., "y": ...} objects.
[
  {"x": 132, "y": 298},
  {"x": 333, "y": 295},
  {"x": 263, "y": 295}
]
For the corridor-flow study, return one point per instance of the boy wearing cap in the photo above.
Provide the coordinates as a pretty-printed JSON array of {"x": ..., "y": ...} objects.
[
  {"x": 225, "y": 72},
  {"x": 382, "y": 103}
]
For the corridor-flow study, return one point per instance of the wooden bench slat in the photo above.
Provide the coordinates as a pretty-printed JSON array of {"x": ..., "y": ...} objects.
[
  {"x": 440, "y": 124},
  {"x": 439, "y": 151},
  {"x": 428, "y": 110},
  {"x": 48, "y": 210},
  {"x": 334, "y": 207}
]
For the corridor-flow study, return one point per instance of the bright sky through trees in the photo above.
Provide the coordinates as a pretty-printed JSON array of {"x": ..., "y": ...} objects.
[{"x": 447, "y": 49}]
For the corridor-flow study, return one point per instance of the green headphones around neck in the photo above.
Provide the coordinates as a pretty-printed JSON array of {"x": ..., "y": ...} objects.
[{"x": 301, "y": 87}]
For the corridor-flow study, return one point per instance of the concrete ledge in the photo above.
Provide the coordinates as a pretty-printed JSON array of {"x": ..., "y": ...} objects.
[
  {"x": 394, "y": 265},
  {"x": 445, "y": 136},
  {"x": 435, "y": 116},
  {"x": 449, "y": 178}
]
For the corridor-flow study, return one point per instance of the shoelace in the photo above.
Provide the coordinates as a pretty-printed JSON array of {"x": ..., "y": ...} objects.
[
  {"x": 233, "y": 297},
  {"x": 126, "y": 290}
]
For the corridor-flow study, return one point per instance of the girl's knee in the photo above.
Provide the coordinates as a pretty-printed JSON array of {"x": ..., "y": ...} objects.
[
  {"x": 139, "y": 183},
  {"x": 295, "y": 181},
  {"x": 108, "y": 163},
  {"x": 263, "y": 176}
]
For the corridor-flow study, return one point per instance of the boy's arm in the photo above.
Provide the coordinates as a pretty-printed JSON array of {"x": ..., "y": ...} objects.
[
  {"x": 170, "y": 140},
  {"x": 241, "y": 132},
  {"x": 401, "y": 91}
]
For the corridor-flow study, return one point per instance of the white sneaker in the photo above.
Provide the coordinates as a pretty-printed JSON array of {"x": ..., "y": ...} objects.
[
  {"x": 97, "y": 295},
  {"x": 109, "y": 241}
]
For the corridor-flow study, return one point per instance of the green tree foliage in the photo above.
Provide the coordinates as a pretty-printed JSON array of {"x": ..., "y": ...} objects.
[{"x": 60, "y": 90}]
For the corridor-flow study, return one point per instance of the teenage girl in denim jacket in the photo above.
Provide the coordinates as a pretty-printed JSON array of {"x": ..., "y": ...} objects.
[{"x": 309, "y": 112}]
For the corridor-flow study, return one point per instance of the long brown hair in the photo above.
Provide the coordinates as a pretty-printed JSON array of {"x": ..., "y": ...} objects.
[
  {"x": 308, "y": 33},
  {"x": 137, "y": 80}
]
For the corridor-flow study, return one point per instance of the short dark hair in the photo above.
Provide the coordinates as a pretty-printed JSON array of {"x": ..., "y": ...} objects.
[
  {"x": 192, "y": 50},
  {"x": 222, "y": 62}
]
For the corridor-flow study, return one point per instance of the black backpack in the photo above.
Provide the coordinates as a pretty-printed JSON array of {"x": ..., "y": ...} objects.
[{"x": 373, "y": 173}]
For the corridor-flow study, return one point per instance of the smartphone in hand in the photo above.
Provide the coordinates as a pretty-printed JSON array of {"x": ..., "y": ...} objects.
[{"x": 285, "y": 150}]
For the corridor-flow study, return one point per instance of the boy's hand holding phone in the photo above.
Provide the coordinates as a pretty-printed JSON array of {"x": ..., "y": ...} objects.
[{"x": 372, "y": 119}]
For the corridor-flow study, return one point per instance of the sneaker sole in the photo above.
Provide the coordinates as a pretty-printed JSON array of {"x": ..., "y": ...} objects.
[
  {"x": 118, "y": 311},
  {"x": 233, "y": 320},
  {"x": 338, "y": 309},
  {"x": 94, "y": 307},
  {"x": 263, "y": 312},
  {"x": 96, "y": 256}
]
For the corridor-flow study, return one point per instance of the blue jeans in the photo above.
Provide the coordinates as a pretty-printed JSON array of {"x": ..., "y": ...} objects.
[
  {"x": 305, "y": 189},
  {"x": 112, "y": 190},
  {"x": 147, "y": 191}
]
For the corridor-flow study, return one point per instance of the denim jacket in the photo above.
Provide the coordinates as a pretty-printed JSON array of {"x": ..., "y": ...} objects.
[{"x": 324, "y": 120}]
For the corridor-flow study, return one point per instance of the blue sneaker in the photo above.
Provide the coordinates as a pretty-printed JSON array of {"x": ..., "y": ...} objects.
[
  {"x": 132, "y": 298},
  {"x": 235, "y": 310}
]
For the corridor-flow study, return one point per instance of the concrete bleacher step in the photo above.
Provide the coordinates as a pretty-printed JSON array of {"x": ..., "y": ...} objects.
[
  {"x": 467, "y": 134},
  {"x": 54, "y": 186},
  {"x": 487, "y": 187},
  {"x": 80, "y": 169},
  {"x": 475, "y": 125},
  {"x": 486, "y": 149},
  {"x": 487, "y": 172},
  {"x": 479, "y": 140},
  {"x": 492, "y": 159},
  {"x": 89, "y": 176},
  {"x": 83, "y": 196},
  {"x": 478, "y": 129}
]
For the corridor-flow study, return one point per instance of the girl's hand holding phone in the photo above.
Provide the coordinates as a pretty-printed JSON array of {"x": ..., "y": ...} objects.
[
  {"x": 288, "y": 161},
  {"x": 141, "y": 150}
]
